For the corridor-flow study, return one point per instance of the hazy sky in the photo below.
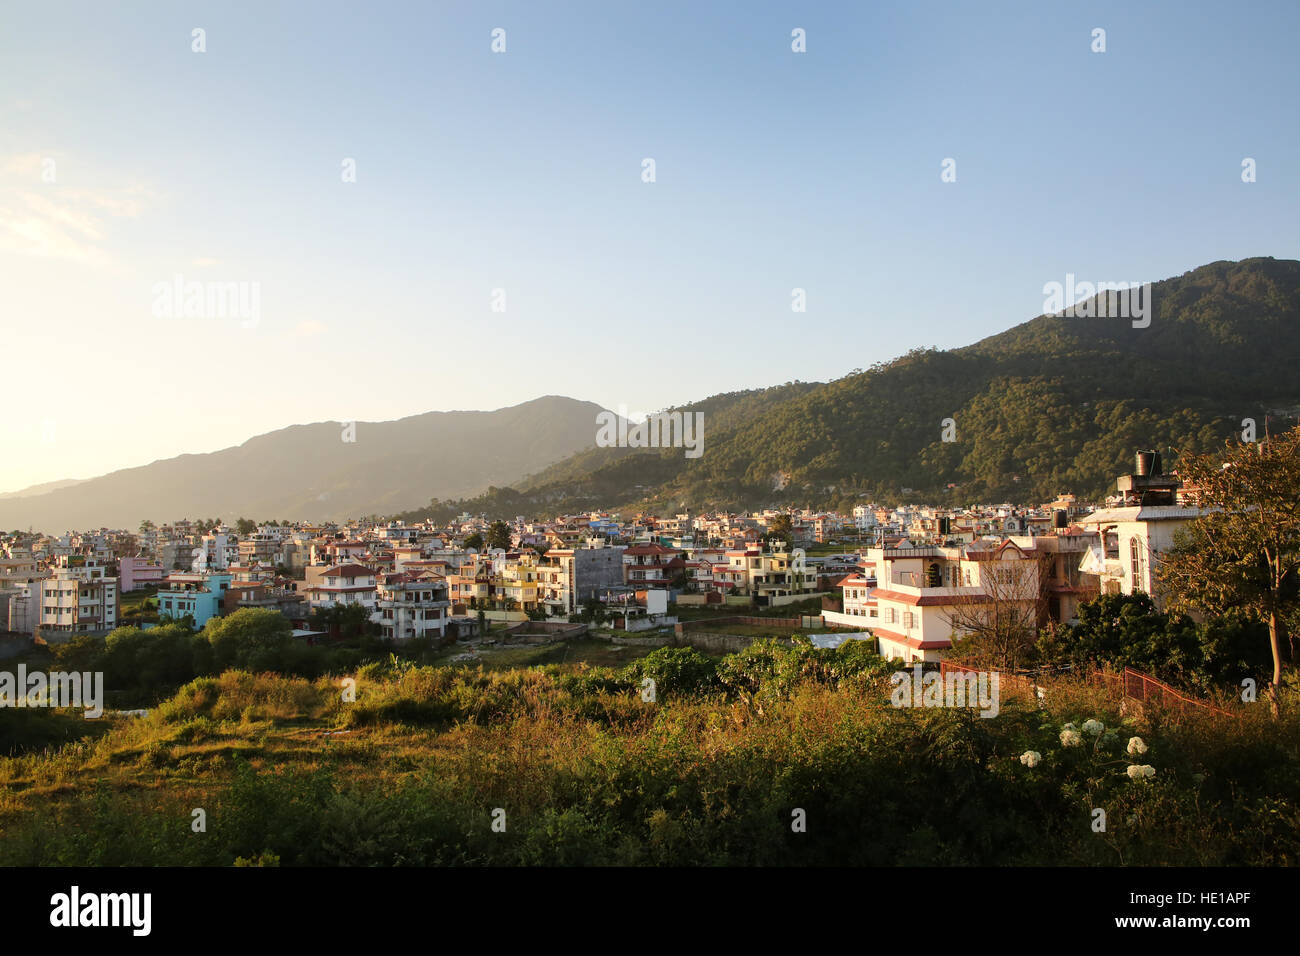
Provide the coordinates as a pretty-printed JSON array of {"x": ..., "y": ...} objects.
[{"x": 522, "y": 171}]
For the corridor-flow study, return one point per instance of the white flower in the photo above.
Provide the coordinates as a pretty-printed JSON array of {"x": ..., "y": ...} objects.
[
  {"x": 1071, "y": 738},
  {"x": 1136, "y": 772},
  {"x": 1094, "y": 727},
  {"x": 1031, "y": 758},
  {"x": 1136, "y": 745}
]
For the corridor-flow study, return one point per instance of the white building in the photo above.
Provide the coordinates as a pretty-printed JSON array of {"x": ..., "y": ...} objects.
[
  {"x": 344, "y": 584},
  {"x": 412, "y": 606},
  {"x": 80, "y": 596},
  {"x": 1132, "y": 536},
  {"x": 921, "y": 592}
]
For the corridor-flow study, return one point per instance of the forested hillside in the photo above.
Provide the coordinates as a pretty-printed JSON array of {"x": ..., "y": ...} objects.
[{"x": 1052, "y": 405}]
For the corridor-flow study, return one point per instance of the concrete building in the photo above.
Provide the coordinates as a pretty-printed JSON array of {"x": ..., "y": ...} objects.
[
  {"x": 412, "y": 606},
  {"x": 568, "y": 577},
  {"x": 343, "y": 584},
  {"x": 201, "y": 595},
  {"x": 922, "y": 592},
  {"x": 79, "y": 597},
  {"x": 135, "y": 573},
  {"x": 1133, "y": 534}
]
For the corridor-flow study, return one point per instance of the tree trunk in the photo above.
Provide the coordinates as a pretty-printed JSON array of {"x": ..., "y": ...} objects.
[{"x": 1276, "y": 635}]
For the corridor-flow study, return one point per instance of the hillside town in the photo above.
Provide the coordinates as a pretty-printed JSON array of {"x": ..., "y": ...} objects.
[{"x": 901, "y": 577}]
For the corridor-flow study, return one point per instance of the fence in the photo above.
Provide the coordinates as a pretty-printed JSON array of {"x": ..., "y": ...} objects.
[
  {"x": 1020, "y": 680},
  {"x": 1146, "y": 689},
  {"x": 1131, "y": 684}
]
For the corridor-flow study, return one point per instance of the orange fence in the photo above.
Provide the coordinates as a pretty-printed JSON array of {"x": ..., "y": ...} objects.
[
  {"x": 1146, "y": 689},
  {"x": 1130, "y": 683}
]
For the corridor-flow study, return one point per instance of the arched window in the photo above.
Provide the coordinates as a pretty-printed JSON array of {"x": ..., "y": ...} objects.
[{"x": 1135, "y": 553}]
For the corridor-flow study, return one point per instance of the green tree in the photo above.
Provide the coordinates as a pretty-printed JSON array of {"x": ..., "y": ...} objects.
[
  {"x": 499, "y": 535},
  {"x": 474, "y": 541},
  {"x": 1245, "y": 553},
  {"x": 245, "y": 526},
  {"x": 254, "y": 639},
  {"x": 780, "y": 528}
]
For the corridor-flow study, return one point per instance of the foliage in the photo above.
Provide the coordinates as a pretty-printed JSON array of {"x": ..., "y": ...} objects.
[
  {"x": 588, "y": 773},
  {"x": 676, "y": 671},
  {"x": 1126, "y": 630},
  {"x": 1244, "y": 554}
]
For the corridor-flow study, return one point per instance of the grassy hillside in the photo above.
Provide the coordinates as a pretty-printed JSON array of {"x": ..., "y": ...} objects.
[{"x": 586, "y": 772}]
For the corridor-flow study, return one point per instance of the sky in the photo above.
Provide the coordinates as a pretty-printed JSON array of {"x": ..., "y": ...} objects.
[{"x": 130, "y": 161}]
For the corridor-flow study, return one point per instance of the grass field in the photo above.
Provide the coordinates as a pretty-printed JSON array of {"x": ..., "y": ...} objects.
[{"x": 589, "y": 772}]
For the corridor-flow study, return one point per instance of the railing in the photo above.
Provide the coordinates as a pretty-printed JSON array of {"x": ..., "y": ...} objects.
[
  {"x": 1020, "y": 679},
  {"x": 1144, "y": 688},
  {"x": 1132, "y": 684}
]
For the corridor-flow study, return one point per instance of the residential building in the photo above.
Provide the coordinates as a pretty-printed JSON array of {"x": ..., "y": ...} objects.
[
  {"x": 1133, "y": 534},
  {"x": 79, "y": 597},
  {"x": 412, "y": 606},
  {"x": 137, "y": 572},
  {"x": 343, "y": 584}
]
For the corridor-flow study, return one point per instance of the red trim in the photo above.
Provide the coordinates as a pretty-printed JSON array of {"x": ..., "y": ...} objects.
[
  {"x": 915, "y": 643},
  {"x": 935, "y": 600}
]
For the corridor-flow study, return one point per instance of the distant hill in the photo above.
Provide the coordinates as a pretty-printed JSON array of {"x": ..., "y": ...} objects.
[
  {"x": 309, "y": 472},
  {"x": 42, "y": 489},
  {"x": 1052, "y": 405}
]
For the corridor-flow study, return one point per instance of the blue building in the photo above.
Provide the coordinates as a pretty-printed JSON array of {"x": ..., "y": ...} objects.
[{"x": 201, "y": 596}]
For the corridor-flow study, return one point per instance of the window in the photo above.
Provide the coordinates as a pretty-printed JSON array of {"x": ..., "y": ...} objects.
[
  {"x": 909, "y": 620},
  {"x": 1135, "y": 560}
]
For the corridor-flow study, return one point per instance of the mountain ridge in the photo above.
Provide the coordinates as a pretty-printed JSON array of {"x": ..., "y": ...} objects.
[{"x": 1051, "y": 404}]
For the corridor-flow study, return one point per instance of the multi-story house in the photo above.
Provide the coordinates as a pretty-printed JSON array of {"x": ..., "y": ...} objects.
[
  {"x": 925, "y": 594},
  {"x": 1132, "y": 535},
  {"x": 859, "y": 601},
  {"x": 343, "y": 584},
  {"x": 412, "y": 606},
  {"x": 517, "y": 581},
  {"x": 763, "y": 574},
  {"x": 651, "y": 566},
  {"x": 80, "y": 596},
  {"x": 199, "y": 594},
  {"x": 136, "y": 572},
  {"x": 18, "y": 567},
  {"x": 568, "y": 577}
]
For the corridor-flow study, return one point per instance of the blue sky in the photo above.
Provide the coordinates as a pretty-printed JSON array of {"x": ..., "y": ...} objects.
[{"x": 522, "y": 171}]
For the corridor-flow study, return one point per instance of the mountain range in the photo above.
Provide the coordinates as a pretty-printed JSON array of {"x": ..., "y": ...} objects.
[
  {"x": 313, "y": 472},
  {"x": 1055, "y": 404}
]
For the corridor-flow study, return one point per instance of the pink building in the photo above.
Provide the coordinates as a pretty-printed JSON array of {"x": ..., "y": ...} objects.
[{"x": 135, "y": 573}]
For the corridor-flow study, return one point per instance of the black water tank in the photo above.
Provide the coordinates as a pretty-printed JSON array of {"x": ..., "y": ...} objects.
[
  {"x": 1145, "y": 461},
  {"x": 1060, "y": 518}
]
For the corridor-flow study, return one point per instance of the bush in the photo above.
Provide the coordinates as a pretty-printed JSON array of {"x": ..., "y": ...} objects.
[{"x": 676, "y": 671}]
